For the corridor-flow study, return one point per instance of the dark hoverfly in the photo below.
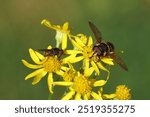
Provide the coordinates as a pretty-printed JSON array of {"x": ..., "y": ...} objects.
[
  {"x": 52, "y": 52},
  {"x": 105, "y": 49}
]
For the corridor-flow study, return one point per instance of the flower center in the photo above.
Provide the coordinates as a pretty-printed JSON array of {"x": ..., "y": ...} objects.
[
  {"x": 87, "y": 52},
  {"x": 52, "y": 64},
  {"x": 123, "y": 92},
  {"x": 69, "y": 75},
  {"x": 82, "y": 85}
]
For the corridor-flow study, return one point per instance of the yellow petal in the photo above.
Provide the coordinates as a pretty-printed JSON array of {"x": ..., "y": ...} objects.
[
  {"x": 64, "y": 68},
  {"x": 76, "y": 44},
  {"x": 99, "y": 83},
  {"x": 79, "y": 42},
  {"x": 57, "y": 27},
  {"x": 34, "y": 73},
  {"x": 60, "y": 72},
  {"x": 85, "y": 97},
  {"x": 59, "y": 38},
  {"x": 54, "y": 27},
  {"x": 39, "y": 77},
  {"x": 65, "y": 26},
  {"x": 86, "y": 63},
  {"x": 68, "y": 95},
  {"x": 88, "y": 71},
  {"x": 78, "y": 96},
  {"x": 72, "y": 59},
  {"x": 48, "y": 24},
  {"x": 101, "y": 66},
  {"x": 109, "y": 96},
  {"x": 50, "y": 82},
  {"x": 31, "y": 65},
  {"x": 73, "y": 52},
  {"x": 82, "y": 37},
  {"x": 95, "y": 67},
  {"x": 76, "y": 59},
  {"x": 68, "y": 58},
  {"x": 64, "y": 42},
  {"x": 96, "y": 96},
  {"x": 107, "y": 61},
  {"x": 34, "y": 56},
  {"x": 63, "y": 83},
  {"x": 90, "y": 41},
  {"x": 40, "y": 56},
  {"x": 49, "y": 47}
]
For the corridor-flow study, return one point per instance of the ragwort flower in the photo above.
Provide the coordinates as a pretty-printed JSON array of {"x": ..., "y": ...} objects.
[
  {"x": 44, "y": 65},
  {"x": 61, "y": 32},
  {"x": 85, "y": 51},
  {"x": 122, "y": 93},
  {"x": 81, "y": 86}
]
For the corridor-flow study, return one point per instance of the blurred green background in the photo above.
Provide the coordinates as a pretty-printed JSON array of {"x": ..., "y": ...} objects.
[{"x": 126, "y": 23}]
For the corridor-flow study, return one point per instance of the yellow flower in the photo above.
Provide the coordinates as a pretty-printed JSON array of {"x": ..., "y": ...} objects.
[
  {"x": 123, "y": 93},
  {"x": 81, "y": 86},
  {"x": 84, "y": 50},
  {"x": 44, "y": 65},
  {"x": 61, "y": 32}
]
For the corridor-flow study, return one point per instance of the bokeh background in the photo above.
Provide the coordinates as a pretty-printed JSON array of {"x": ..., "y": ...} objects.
[{"x": 126, "y": 23}]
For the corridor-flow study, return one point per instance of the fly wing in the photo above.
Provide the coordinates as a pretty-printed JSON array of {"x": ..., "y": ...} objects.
[
  {"x": 44, "y": 50},
  {"x": 96, "y": 32},
  {"x": 119, "y": 61}
]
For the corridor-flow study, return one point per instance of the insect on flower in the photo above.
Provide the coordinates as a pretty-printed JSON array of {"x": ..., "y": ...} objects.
[
  {"x": 105, "y": 49},
  {"x": 52, "y": 52}
]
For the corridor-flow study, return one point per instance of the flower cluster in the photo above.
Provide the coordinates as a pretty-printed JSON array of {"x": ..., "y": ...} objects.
[{"x": 78, "y": 69}]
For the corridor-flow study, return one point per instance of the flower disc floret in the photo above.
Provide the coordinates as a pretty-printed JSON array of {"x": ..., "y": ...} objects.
[
  {"x": 123, "y": 92},
  {"x": 52, "y": 64},
  {"x": 82, "y": 85}
]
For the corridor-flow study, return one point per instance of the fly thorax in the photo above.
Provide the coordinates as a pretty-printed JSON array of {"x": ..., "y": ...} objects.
[{"x": 104, "y": 49}]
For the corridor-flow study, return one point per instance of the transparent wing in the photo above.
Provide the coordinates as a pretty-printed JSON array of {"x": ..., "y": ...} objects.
[
  {"x": 119, "y": 61},
  {"x": 44, "y": 50},
  {"x": 96, "y": 32}
]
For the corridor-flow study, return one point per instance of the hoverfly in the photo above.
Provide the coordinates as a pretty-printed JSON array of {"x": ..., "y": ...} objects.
[
  {"x": 52, "y": 52},
  {"x": 105, "y": 49}
]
